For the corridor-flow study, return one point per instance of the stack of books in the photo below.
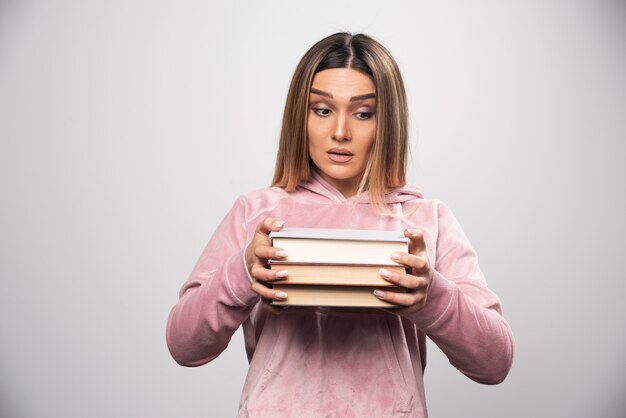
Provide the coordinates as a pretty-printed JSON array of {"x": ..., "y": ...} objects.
[{"x": 336, "y": 267}]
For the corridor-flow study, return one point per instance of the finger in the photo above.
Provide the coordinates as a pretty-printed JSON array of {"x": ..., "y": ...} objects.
[
  {"x": 417, "y": 245},
  {"x": 266, "y": 275},
  {"x": 267, "y": 293},
  {"x": 419, "y": 264},
  {"x": 259, "y": 272},
  {"x": 266, "y": 252},
  {"x": 268, "y": 225},
  {"x": 402, "y": 299},
  {"x": 408, "y": 281}
]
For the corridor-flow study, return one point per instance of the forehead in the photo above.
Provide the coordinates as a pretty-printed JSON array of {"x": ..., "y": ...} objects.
[{"x": 343, "y": 83}]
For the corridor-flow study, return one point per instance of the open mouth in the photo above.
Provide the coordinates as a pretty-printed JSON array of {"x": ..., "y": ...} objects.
[
  {"x": 339, "y": 155},
  {"x": 338, "y": 151}
]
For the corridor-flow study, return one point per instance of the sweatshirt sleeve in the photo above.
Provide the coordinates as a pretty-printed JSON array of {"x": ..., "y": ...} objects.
[
  {"x": 216, "y": 298},
  {"x": 462, "y": 315}
]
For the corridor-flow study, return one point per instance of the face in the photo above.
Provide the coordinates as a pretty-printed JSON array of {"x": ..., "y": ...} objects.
[{"x": 341, "y": 126}]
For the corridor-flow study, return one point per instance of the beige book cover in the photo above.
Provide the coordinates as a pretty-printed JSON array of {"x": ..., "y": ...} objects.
[
  {"x": 339, "y": 296},
  {"x": 334, "y": 274}
]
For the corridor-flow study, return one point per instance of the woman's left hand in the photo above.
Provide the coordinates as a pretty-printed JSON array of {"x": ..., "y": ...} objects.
[{"x": 416, "y": 280}]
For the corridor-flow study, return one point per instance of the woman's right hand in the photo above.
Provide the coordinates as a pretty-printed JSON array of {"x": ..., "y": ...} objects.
[{"x": 258, "y": 252}]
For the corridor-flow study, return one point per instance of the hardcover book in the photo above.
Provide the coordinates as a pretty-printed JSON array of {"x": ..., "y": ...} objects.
[
  {"x": 339, "y": 296},
  {"x": 334, "y": 274},
  {"x": 336, "y": 267},
  {"x": 339, "y": 246}
]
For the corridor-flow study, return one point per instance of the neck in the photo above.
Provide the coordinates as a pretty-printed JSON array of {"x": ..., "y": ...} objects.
[{"x": 347, "y": 187}]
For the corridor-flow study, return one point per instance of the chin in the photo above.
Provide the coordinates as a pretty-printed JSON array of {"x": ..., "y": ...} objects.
[{"x": 340, "y": 174}]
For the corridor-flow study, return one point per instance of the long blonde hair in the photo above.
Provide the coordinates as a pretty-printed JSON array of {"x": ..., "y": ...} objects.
[{"x": 386, "y": 168}]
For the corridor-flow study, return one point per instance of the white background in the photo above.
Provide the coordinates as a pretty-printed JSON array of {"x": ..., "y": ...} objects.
[{"x": 128, "y": 128}]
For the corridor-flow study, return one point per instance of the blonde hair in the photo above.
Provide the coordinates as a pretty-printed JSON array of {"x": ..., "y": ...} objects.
[{"x": 386, "y": 168}]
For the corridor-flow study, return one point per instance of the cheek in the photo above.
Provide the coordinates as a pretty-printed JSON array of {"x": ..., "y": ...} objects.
[
  {"x": 314, "y": 128},
  {"x": 368, "y": 137},
  {"x": 314, "y": 137}
]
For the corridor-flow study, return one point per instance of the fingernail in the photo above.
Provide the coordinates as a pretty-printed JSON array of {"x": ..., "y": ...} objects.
[
  {"x": 281, "y": 253},
  {"x": 279, "y": 224},
  {"x": 379, "y": 293},
  {"x": 282, "y": 273},
  {"x": 408, "y": 231},
  {"x": 395, "y": 256},
  {"x": 281, "y": 295},
  {"x": 384, "y": 273}
]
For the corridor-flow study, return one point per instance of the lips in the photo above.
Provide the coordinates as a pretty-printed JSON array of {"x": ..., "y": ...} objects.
[{"x": 339, "y": 155}]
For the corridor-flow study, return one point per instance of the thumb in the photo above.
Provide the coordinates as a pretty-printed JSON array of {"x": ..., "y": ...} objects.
[{"x": 417, "y": 245}]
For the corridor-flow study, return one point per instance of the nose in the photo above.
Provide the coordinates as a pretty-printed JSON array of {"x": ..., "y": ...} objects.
[{"x": 341, "y": 131}]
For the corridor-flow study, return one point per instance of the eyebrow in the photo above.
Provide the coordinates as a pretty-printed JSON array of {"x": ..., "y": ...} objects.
[{"x": 352, "y": 99}]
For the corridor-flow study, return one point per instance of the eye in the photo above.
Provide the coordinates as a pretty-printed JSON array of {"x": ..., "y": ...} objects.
[
  {"x": 364, "y": 115},
  {"x": 321, "y": 111}
]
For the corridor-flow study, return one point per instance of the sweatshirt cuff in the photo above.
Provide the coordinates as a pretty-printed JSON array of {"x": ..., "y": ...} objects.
[
  {"x": 240, "y": 281},
  {"x": 441, "y": 293}
]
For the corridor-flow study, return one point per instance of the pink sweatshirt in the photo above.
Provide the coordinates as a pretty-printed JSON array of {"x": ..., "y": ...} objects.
[{"x": 324, "y": 362}]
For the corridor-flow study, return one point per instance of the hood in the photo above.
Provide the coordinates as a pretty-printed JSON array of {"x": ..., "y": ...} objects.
[{"x": 321, "y": 187}]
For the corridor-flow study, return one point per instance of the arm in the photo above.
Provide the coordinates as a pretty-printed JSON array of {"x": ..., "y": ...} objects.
[
  {"x": 462, "y": 316},
  {"x": 452, "y": 304},
  {"x": 216, "y": 298}
]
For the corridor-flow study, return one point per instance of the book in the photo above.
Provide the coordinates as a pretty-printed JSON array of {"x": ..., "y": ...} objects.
[
  {"x": 337, "y": 296},
  {"x": 334, "y": 274},
  {"x": 336, "y": 267},
  {"x": 339, "y": 246}
]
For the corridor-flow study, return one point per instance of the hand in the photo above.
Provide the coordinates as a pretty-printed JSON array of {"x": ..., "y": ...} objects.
[
  {"x": 258, "y": 252},
  {"x": 417, "y": 279}
]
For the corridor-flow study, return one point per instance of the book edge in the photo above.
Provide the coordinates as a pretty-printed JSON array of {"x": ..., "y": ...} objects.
[
  {"x": 273, "y": 262},
  {"x": 341, "y": 234}
]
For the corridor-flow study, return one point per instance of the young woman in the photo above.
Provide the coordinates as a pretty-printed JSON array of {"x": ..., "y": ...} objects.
[{"x": 341, "y": 164}]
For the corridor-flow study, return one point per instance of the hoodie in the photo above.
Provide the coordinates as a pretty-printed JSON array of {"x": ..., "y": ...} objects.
[{"x": 340, "y": 362}]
